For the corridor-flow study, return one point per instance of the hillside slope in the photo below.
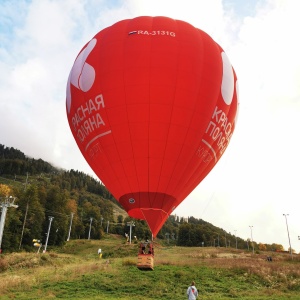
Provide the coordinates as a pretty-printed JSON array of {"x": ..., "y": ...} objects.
[{"x": 76, "y": 272}]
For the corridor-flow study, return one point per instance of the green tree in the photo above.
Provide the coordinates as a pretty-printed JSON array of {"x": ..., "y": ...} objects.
[
  {"x": 184, "y": 232},
  {"x": 33, "y": 216},
  {"x": 56, "y": 206}
]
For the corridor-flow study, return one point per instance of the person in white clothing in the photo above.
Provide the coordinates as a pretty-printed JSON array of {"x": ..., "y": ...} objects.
[
  {"x": 192, "y": 291},
  {"x": 100, "y": 253}
]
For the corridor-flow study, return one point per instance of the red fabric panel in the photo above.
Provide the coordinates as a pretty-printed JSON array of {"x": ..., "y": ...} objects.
[{"x": 147, "y": 106}]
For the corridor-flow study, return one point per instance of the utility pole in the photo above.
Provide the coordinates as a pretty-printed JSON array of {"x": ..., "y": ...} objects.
[
  {"x": 130, "y": 224},
  {"x": 25, "y": 218},
  {"x": 235, "y": 239},
  {"x": 91, "y": 220},
  {"x": 252, "y": 239},
  {"x": 287, "y": 227},
  {"x": 50, "y": 221},
  {"x": 24, "y": 222},
  {"x": 5, "y": 204},
  {"x": 26, "y": 181},
  {"x": 168, "y": 237},
  {"x": 107, "y": 226},
  {"x": 72, "y": 214}
]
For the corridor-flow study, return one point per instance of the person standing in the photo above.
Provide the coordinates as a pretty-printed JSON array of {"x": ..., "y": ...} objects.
[
  {"x": 192, "y": 291},
  {"x": 100, "y": 253}
]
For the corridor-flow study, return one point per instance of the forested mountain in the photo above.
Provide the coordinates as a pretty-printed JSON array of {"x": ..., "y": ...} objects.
[{"x": 78, "y": 206}]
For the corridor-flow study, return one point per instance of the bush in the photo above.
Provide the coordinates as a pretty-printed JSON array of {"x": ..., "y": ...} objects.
[
  {"x": 3, "y": 264},
  {"x": 128, "y": 262}
]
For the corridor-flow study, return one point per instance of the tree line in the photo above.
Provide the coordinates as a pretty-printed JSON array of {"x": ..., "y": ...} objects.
[{"x": 80, "y": 206}]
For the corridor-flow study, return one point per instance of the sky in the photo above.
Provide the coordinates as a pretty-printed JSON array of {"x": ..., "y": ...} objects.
[{"x": 256, "y": 181}]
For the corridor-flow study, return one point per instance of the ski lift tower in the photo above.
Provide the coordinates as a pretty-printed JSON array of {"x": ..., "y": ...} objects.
[{"x": 5, "y": 203}]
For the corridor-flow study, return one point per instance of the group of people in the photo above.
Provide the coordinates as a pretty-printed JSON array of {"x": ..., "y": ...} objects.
[{"x": 146, "y": 248}]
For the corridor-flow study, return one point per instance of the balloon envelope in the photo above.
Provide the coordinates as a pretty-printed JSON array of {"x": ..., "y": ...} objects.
[{"x": 151, "y": 102}]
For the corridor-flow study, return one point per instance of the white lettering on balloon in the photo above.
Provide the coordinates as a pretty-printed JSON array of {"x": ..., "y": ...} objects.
[
  {"x": 87, "y": 119},
  {"x": 219, "y": 130},
  {"x": 153, "y": 32},
  {"x": 204, "y": 155},
  {"x": 94, "y": 150}
]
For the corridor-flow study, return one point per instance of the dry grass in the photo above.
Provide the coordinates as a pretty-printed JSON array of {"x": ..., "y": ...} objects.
[
  {"x": 23, "y": 271},
  {"x": 282, "y": 270}
]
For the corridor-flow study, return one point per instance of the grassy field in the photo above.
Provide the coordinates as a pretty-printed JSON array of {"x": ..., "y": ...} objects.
[{"x": 76, "y": 272}]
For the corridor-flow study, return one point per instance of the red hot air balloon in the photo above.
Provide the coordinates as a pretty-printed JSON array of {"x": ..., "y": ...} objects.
[{"x": 152, "y": 102}]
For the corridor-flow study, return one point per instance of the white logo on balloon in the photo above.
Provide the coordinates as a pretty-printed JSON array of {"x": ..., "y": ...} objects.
[
  {"x": 227, "y": 86},
  {"x": 82, "y": 75}
]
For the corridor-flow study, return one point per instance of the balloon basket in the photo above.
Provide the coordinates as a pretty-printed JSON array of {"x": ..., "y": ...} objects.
[{"x": 145, "y": 262}]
